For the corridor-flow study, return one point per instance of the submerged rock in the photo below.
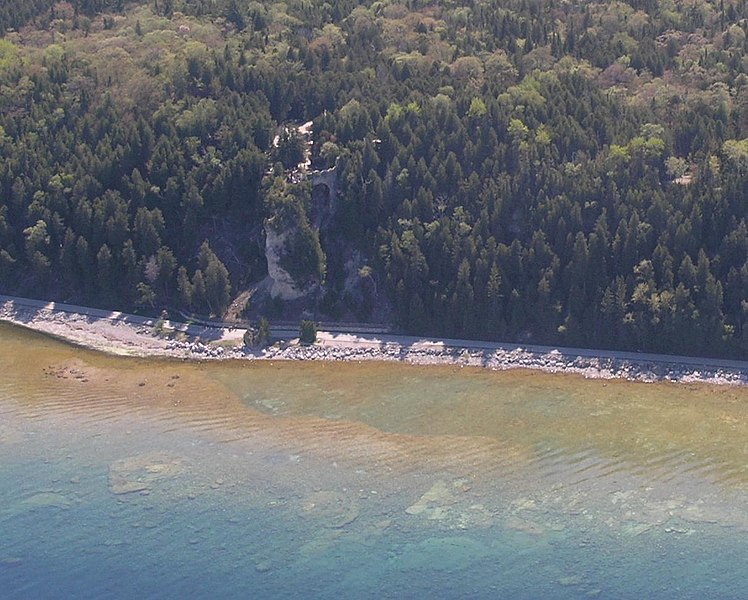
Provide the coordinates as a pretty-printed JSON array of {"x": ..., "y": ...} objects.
[
  {"x": 441, "y": 554},
  {"x": 43, "y": 500},
  {"x": 320, "y": 544},
  {"x": 335, "y": 510},
  {"x": 263, "y": 566},
  {"x": 525, "y": 526},
  {"x": 447, "y": 503},
  {"x": 139, "y": 473},
  {"x": 10, "y": 561},
  {"x": 433, "y": 503}
]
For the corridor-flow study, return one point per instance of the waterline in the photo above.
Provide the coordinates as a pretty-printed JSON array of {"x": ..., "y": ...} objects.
[{"x": 133, "y": 478}]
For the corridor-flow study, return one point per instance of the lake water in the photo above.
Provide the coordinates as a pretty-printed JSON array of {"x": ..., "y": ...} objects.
[{"x": 124, "y": 478}]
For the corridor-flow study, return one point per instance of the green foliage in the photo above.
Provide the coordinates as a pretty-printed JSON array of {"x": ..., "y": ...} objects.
[
  {"x": 259, "y": 336},
  {"x": 290, "y": 150},
  {"x": 736, "y": 152},
  {"x": 263, "y": 330},
  {"x": 307, "y": 332},
  {"x": 8, "y": 55},
  {"x": 217, "y": 294},
  {"x": 507, "y": 170},
  {"x": 303, "y": 257}
]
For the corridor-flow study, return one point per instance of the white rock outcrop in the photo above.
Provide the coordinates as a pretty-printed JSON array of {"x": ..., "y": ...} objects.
[{"x": 282, "y": 285}]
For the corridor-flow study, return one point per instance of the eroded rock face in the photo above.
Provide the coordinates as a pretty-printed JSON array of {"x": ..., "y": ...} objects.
[
  {"x": 280, "y": 238},
  {"x": 283, "y": 285}
]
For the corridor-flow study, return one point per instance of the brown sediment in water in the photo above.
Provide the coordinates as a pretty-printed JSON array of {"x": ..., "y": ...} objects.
[
  {"x": 70, "y": 383},
  {"x": 442, "y": 440},
  {"x": 517, "y": 408},
  {"x": 471, "y": 420}
]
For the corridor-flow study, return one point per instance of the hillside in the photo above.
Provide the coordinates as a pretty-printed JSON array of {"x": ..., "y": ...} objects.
[{"x": 545, "y": 171}]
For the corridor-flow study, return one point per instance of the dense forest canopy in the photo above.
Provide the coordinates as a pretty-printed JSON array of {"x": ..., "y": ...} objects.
[{"x": 534, "y": 170}]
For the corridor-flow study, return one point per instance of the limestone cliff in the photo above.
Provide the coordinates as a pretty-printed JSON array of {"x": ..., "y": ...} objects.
[{"x": 281, "y": 284}]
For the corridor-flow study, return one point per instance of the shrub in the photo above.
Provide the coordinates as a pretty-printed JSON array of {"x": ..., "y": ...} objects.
[
  {"x": 257, "y": 336},
  {"x": 308, "y": 332}
]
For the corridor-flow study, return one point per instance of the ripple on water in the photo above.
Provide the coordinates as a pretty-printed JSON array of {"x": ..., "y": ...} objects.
[{"x": 349, "y": 476}]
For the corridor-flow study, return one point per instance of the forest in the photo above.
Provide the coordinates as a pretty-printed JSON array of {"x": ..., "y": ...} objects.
[{"x": 541, "y": 171}]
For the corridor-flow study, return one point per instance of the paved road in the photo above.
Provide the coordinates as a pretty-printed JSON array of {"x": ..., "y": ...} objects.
[
  {"x": 340, "y": 339},
  {"x": 372, "y": 340}
]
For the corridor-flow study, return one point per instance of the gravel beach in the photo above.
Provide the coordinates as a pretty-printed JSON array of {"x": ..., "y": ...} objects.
[{"x": 132, "y": 335}]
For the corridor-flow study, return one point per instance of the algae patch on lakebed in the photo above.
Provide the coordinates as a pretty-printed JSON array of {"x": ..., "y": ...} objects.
[{"x": 359, "y": 479}]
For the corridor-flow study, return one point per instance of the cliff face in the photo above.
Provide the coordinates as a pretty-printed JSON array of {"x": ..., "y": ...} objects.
[
  {"x": 295, "y": 260},
  {"x": 309, "y": 265},
  {"x": 282, "y": 284}
]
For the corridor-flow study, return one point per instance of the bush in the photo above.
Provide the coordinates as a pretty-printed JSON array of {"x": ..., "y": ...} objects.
[
  {"x": 259, "y": 336},
  {"x": 263, "y": 330},
  {"x": 251, "y": 338},
  {"x": 308, "y": 332}
]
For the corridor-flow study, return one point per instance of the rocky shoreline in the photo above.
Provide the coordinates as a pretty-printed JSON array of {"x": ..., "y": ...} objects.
[
  {"x": 500, "y": 360},
  {"x": 121, "y": 334}
]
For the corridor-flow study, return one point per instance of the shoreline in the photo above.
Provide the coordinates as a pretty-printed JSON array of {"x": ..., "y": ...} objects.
[{"x": 122, "y": 334}]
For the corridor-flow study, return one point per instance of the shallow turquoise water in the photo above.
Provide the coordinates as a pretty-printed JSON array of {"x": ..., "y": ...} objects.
[
  {"x": 127, "y": 479},
  {"x": 93, "y": 549}
]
